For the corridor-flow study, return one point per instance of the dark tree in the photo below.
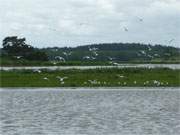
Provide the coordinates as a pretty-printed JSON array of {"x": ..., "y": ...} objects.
[{"x": 16, "y": 47}]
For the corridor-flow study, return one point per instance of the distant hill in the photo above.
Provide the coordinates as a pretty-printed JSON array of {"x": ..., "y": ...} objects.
[{"x": 117, "y": 52}]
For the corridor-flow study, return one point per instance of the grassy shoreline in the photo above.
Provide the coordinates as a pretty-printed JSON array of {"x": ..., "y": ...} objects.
[{"x": 127, "y": 77}]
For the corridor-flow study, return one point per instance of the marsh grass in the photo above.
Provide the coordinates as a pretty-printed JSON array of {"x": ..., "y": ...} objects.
[{"x": 131, "y": 77}]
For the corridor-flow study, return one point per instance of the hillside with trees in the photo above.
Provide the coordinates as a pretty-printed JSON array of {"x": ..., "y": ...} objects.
[
  {"x": 15, "y": 51},
  {"x": 119, "y": 52}
]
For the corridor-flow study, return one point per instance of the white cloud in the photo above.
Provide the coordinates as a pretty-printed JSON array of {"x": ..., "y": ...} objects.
[{"x": 74, "y": 22}]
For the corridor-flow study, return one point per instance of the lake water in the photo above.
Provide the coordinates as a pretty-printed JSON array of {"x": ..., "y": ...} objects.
[
  {"x": 121, "y": 111},
  {"x": 171, "y": 66}
]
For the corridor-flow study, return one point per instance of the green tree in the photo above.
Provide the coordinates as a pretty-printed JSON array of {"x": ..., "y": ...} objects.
[{"x": 16, "y": 47}]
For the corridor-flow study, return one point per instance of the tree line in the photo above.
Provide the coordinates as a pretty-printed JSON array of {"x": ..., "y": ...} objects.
[{"x": 15, "y": 47}]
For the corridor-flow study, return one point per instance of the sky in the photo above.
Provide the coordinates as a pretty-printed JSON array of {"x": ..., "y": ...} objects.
[{"x": 48, "y": 23}]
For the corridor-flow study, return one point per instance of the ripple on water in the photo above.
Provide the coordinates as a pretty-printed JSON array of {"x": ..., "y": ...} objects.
[{"x": 90, "y": 112}]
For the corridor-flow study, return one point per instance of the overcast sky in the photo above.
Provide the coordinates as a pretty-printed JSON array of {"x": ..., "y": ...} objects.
[{"x": 77, "y": 22}]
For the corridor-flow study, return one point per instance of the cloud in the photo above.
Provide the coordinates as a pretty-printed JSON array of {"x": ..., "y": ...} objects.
[{"x": 76, "y": 22}]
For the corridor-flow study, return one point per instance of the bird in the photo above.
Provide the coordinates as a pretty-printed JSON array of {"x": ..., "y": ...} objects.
[
  {"x": 170, "y": 41},
  {"x": 37, "y": 71},
  {"x": 126, "y": 29},
  {"x": 45, "y": 78},
  {"x": 83, "y": 24},
  {"x": 61, "y": 78},
  {"x": 52, "y": 29},
  {"x": 140, "y": 19},
  {"x": 67, "y": 54}
]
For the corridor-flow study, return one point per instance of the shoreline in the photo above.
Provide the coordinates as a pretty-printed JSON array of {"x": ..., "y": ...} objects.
[
  {"x": 129, "y": 65},
  {"x": 90, "y": 89}
]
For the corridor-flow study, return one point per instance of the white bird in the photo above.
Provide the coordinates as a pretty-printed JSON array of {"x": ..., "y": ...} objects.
[
  {"x": 52, "y": 29},
  {"x": 156, "y": 82},
  {"x": 62, "y": 82},
  {"x": 95, "y": 53},
  {"x": 67, "y": 54},
  {"x": 60, "y": 58},
  {"x": 149, "y": 48},
  {"x": 157, "y": 55},
  {"x": 37, "y": 70},
  {"x": 110, "y": 58},
  {"x": 86, "y": 57},
  {"x": 18, "y": 57},
  {"x": 93, "y": 49},
  {"x": 93, "y": 81},
  {"x": 143, "y": 52},
  {"x": 150, "y": 56},
  {"x": 61, "y": 78},
  {"x": 45, "y": 78},
  {"x": 116, "y": 64},
  {"x": 120, "y": 76}
]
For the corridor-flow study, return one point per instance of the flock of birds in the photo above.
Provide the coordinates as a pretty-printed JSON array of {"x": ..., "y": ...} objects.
[
  {"x": 94, "y": 51},
  {"x": 96, "y": 82},
  {"x": 83, "y": 24},
  {"x": 94, "y": 54},
  {"x": 124, "y": 28}
]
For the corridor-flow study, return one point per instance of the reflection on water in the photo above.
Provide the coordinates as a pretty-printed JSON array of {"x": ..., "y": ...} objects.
[{"x": 92, "y": 112}]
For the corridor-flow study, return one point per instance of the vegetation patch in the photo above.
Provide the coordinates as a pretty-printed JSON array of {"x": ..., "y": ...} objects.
[{"x": 127, "y": 77}]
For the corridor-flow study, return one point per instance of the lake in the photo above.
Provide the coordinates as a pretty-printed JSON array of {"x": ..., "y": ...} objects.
[
  {"x": 171, "y": 66},
  {"x": 103, "y": 111}
]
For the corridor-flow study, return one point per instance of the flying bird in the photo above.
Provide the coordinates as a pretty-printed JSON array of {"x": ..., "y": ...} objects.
[
  {"x": 126, "y": 29},
  {"x": 52, "y": 29},
  {"x": 61, "y": 78},
  {"x": 83, "y": 24},
  {"x": 141, "y": 19},
  {"x": 170, "y": 41}
]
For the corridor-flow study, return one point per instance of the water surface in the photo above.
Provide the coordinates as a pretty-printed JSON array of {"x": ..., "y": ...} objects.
[
  {"x": 121, "y": 111},
  {"x": 171, "y": 66}
]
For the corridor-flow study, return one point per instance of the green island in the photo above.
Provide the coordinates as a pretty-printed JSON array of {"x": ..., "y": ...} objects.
[
  {"x": 113, "y": 77},
  {"x": 16, "y": 53}
]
